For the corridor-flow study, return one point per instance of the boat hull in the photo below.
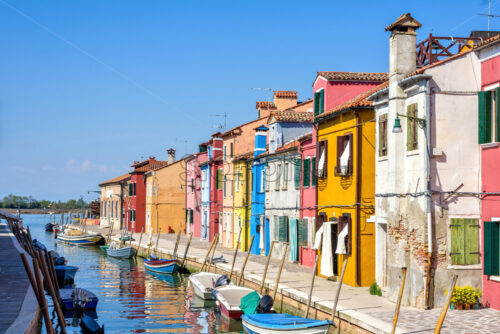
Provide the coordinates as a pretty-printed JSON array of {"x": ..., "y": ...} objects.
[
  {"x": 282, "y": 323},
  {"x": 229, "y": 300},
  {"x": 122, "y": 253},
  {"x": 67, "y": 300},
  {"x": 49, "y": 227},
  {"x": 162, "y": 266},
  {"x": 82, "y": 240},
  {"x": 202, "y": 284},
  {"x": 65, "y": 273}
]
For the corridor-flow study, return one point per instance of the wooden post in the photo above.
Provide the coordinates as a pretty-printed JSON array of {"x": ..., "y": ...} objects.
[
  {"x": 131, "y": 237},
  {"x": 267, "y": 266},
  {"x": 186, "y": 250},
  {"x": 245, "y": 262},
  {"x": 207, "y": 255},
  {"x": 309, "y": 298},
  {"x": 279, "y": 272},
  {"x": 398, "y": 304},
  {"x": 235, "y": 254},
  {"x": 216, "y": 238},
  {"x": 44, "y": 306},
  {"x": 174, "y": 254},
  {"x": 51, "y": 270},
  {"x": 337, "y": 295},
  {"x": 140, "y": 240},
  {"x": 157, "y": 239},
  {"x": 53, "y": 295},
  {"x": 437, "y": 330}
]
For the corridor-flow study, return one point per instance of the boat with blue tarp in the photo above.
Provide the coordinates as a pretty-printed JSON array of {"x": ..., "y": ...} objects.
[{"x": 274, "y": 323}]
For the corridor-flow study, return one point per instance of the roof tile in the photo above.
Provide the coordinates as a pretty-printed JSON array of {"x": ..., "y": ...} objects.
[
  {"x": 285, "y": 93},
  {"x": 293, "y": 116},
  {"x": 353, "y": 76},
  {"x": 115, "y": 180},
  {"x": 265, "y": 105}
]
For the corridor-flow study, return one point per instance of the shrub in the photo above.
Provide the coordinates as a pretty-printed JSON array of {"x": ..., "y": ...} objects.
[
  {"x": 466, "y": 295},
  {"x": 375, "y": 289}
]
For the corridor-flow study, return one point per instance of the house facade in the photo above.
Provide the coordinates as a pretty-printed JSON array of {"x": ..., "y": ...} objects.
[
  {"x": 488, "y": 139},
  {"x": 113, "y": 193},
  {"x": 242, "y": 198},
  {"x": 427, "y": 172},
  {"x": 216, "y": 165},
  {"x": 193, "y": 193},
  {"x": 205, "y": 190}
]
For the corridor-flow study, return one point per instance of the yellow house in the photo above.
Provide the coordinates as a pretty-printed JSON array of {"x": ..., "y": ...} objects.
[
  {"x": 242, "y": 198},
  {"x": 346, "y": 188},
  {"x": 166, "y": 197}
]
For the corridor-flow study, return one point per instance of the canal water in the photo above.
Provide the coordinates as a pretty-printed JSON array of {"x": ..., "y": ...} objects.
[{"x": 131, "y": 300}]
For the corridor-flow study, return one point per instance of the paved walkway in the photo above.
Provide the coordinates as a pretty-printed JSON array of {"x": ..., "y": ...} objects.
[
  {"x": 18, "y": 306},
  {"x": 355, "y": 305}
]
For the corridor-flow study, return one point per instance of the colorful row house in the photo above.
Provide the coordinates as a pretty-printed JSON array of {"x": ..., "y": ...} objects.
[{"x": 114, "y": 194}]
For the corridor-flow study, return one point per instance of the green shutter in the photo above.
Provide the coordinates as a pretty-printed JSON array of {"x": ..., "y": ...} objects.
[
  {"x": 484, "y": 114},
  {"x": 497, "y": 115},
  {"x": 306, "y": 172},
  {"x": 287, "y": 229},
  {"x": 219, "y": 179},
  {"x": 457, "y": 241},
  {"x": 276, "y": 228},
  {"x": 297, "y": 173},
  {"x": 302, "y": 232},
  {"x": 316, "y": 104},
  {"x": 191, "y": 219},
  {"x": 491, "y": 259},
  {"x": 281, "y": 223},
  {"x": 471, "y": 241},
  {"x": 411, "y": 112},
  {"x": 322, "y": 101},
  {"x": 130, "y": 189},
  {"x": 313, "y": 171}
]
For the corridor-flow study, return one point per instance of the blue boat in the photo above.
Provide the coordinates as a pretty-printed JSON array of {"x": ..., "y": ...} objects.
[
  {"x": 65, "y": 273},
  {"x": 273, "y": 323},
  {"x": 78, "y": 299},
  {"x": 49, "y": 227},
  {"x": 162, "y": 266}
]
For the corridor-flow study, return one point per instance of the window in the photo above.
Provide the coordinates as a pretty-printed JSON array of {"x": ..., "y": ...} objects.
[
  {"x": 296, "y": 175},
  {"x": 285, "y": 176},
  {"x": 283, "y": 228},
  {"x": 262, "y": 180},
  {"x": 345, "y": 223},
  {"x": 225, "y": 183},
  {"x": 192, "y": 185},
  {"x": 344, "y": 155},
  {"x": 219, "y": 179},
  {"x": 276, "y": 227},
  {"x": 225, "y": 152},
  {"x": 313, "y": 171},
  {"x": 323, "y": 159},
  {"x": 231, "y": 184},
  {"x": 319, "y": 102},
  {"x": 411, "y": 127},
  {"x": 231, "y": 150},
  {"x": 382, "y": 135},
  {"x": 268, "y": 178},
  {"x": 491, "y": 248},
  {"x": 489, "y": 116},
  {"x": 130, "y": 189},
  {"x": 302, "y": 226},
  {"x": 238, "y": 180},
  {"x": 464, "y": 241},
  {"x": 191, "y": 214},
  {"x": 278, "y": 177},
  {"x": 306, "y": 171}
]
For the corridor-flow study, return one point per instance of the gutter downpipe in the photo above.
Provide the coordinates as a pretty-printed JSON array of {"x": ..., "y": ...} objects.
[
  {"x": 358, "y": 194},
  {"x": 430, "y": 236}
]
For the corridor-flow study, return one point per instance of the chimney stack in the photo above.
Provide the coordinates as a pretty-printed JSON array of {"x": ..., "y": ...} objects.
[
  {"x": 284, "y": 99},
  {"x": 171, "y": 156}
]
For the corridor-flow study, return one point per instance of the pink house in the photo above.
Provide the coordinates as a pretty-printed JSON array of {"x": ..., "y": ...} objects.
[
  {"x": 489, "y": 138},
  {"x": 193, "y": 191}
]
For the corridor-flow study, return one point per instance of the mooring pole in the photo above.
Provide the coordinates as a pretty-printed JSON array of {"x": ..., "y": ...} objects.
[
  {"x": 51, "y": 285},
  {"x": 186, "y": 250},
  {"x": 245, "y": 262},
  {"x": 235, "y": 255},
  {"x": 174, "y": 254},
  {"x": 451, "y": 289},
  {"x": 157, "y": 240},
  {"x": 337, "y": 295},
  {"x": 267, "y": 266},
  {"x": 207, "y": 255},
  {"x": 309, "y": 298},
  {"x": 398, "y": 304},
  {"x": 140, "y": 240},
  {"x": 279, "y": 272},
  {"x": 213, "y": 252},
  {"x": 44, "y": 306}
]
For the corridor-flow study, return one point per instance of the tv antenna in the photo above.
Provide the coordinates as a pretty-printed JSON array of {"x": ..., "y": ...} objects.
[
  {"x": 489, "y": 15},
  {"x": 220, "y": 126},
  {"x": 270, "y": 90},
  {"x": 185, "y": 141}
]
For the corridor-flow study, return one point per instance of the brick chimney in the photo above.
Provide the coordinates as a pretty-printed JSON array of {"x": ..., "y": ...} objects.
[
  {"x": 170, "y": 156},
  {"x": 284, "y": 99},
  {"x": 217, "y": 144}
]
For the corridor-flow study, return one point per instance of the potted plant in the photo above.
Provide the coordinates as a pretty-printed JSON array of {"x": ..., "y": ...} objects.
[{"x": 465, "y": 298}]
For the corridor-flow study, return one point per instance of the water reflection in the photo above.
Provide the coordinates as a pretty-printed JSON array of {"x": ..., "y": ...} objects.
[{"x": 131, "y": 299}]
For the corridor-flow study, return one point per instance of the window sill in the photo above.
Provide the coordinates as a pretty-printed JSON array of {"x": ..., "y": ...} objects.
[
  {"x": 384, "y": 158},
  {"x": 412, "y": 153},
  {"x": 465, "y": 266},
  {"x": 494, "y": 278},
  {"x": 490, "y": 145}
]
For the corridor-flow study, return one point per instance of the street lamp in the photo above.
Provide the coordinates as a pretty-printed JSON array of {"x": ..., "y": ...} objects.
[{"x": 397, "y": 123}]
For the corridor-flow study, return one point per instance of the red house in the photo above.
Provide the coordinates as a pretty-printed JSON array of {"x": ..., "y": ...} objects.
[
  {"x": 216, "y": 165},
  {"x": 136, "y": 206}
]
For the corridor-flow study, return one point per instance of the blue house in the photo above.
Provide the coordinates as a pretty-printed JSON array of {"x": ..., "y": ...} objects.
[
  {"x": 258, "y": 192},
  {"x": 205, "y": 195}
]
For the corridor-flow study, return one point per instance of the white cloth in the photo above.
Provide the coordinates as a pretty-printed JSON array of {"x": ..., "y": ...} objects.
[
  {"x": 321, "y": 163},
  {"x": 327, "y": 251},
  {"x": 317, "y": 238},
  {"x": 341, "y": 241},
  {"x": 261, "y": 239},
  {"x": 344, "y": 158}
]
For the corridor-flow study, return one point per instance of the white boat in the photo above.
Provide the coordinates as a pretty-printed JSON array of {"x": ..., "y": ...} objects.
[
  {"x": 203, "y": 284},
  {"x": 121, "y": 252},
  {"x": 273, "y": 323},
  {"x": 229, "y": 300}
]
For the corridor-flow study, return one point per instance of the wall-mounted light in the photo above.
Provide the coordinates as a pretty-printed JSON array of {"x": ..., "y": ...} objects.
[
  {"x": 397, "y": 123},
  {"x": 397, "y": 126}
]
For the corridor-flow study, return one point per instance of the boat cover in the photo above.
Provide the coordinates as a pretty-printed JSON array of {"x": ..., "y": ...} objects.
[
  {"x": 282, "y": 321},
  {"x": 249, "y": 303}
]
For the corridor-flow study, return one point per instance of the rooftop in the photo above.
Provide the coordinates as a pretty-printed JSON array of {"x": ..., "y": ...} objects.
[
  {"x": 265, "y": 105},
  {"x": 115, "y": 180},
  {"x": 285, "y": 93},
  {"x": 353, "y": 76},
  {"x": 292, "y": 116}
]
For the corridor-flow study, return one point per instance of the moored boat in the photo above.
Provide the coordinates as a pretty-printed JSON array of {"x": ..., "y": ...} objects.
[
  {"x": 229, "y": 300},
  {"x": 65, "y": 273},
  {"x": 49, "y": 227},
  {"x": 90, "y": 326},
  {"x": 204, "y": 283},
  {"x": 83, "y": 239},
  {"x": 274, "y": 323},
  {"x": 77, "y": 299},
  {"x": 162, "y": 266},
  {"x": 121, "y": 253}
]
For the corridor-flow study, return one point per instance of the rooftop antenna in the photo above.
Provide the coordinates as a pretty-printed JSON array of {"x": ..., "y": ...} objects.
[
  {"x": 185, "y": 141},
  {"x": 489, "y": 15},
  {"x": 225, "y": 120},
  {"x": 270, "y": 90}
]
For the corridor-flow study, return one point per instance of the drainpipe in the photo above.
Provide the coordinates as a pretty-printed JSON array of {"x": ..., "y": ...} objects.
[
  {"x": 245, "y": 206},
  {"x": 358, "y": 191},
  {"x": 429, "y": 194}
]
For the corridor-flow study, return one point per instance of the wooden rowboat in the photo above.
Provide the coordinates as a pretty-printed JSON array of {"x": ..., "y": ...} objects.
[
  {"x": 229, "y": 300},
  {"x": 83, "y": 240},
  {"x": 162, "y": 266},
  {"x": 274, "y": 323},
  {"x": 121, "y": 253}
]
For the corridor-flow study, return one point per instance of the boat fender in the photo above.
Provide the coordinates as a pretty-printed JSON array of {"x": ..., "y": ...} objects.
[{"x": 265, "y": 304}]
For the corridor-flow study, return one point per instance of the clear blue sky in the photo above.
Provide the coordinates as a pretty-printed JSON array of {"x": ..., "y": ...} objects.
[{"x": 87, "y": 87}]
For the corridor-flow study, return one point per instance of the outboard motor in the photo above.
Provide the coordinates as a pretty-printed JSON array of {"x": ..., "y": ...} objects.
[
  {"x": 221, "y": 281},
  {"x": 153, "y": 257},
  {"x": 265, "y": 304}
]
